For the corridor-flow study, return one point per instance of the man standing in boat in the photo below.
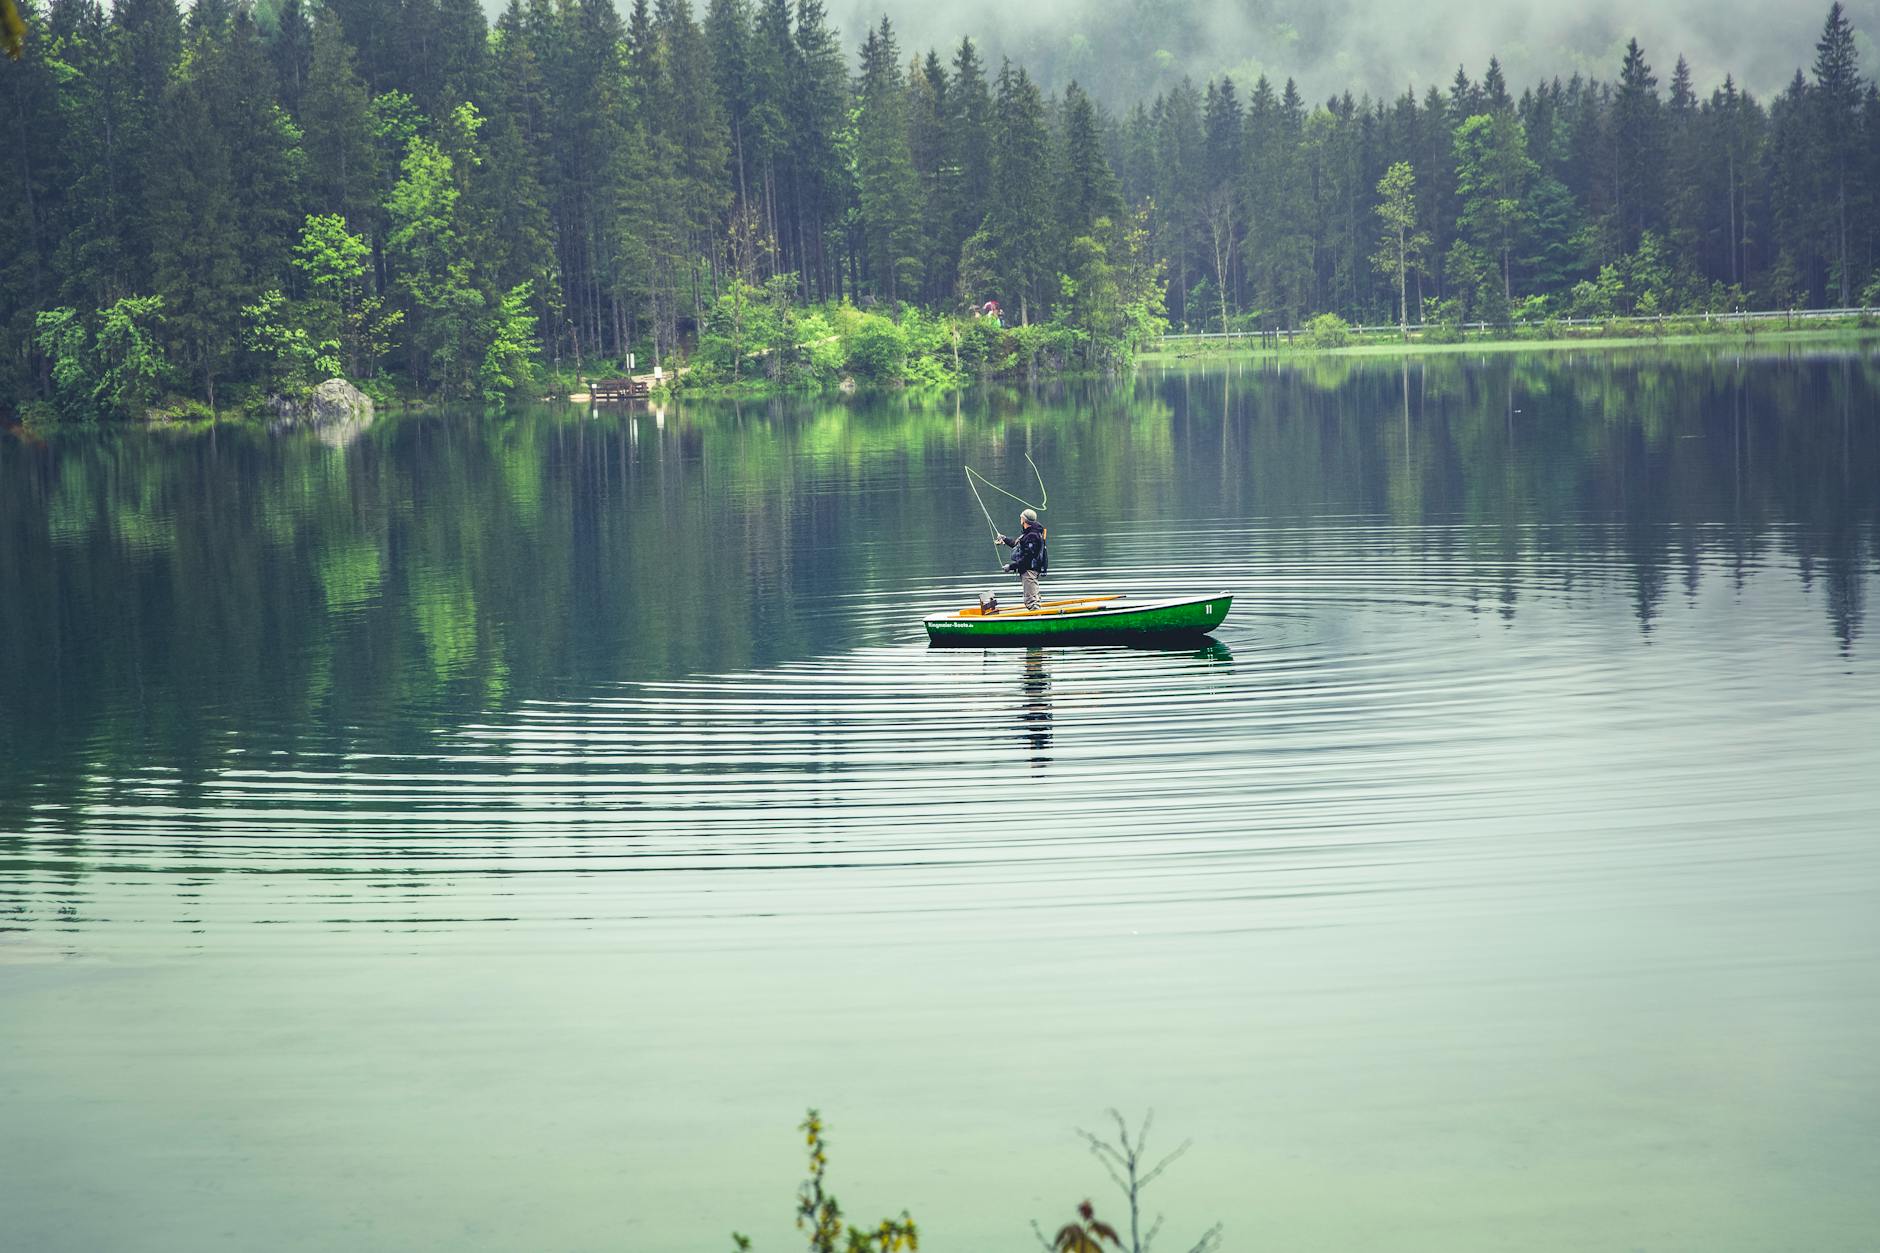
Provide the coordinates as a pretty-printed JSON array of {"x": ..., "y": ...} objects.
[{"x": 1028, "y": 557}]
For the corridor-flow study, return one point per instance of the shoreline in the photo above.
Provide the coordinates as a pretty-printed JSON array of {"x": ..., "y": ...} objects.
[{"x": 1418, "y": 347}]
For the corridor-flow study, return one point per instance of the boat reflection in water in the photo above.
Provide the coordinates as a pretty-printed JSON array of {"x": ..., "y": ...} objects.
[{"x": 1036, "y": 716}]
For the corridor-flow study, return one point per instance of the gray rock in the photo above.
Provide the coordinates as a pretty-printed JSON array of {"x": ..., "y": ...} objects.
[{"x": 338, "y": 409}]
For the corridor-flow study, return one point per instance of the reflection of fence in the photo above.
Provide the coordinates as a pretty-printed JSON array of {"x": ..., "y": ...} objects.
[{"x": 1272, "y": 338}]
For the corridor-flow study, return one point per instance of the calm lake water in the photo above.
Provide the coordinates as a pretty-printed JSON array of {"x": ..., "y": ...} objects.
[{"x": 491, "y": 834}]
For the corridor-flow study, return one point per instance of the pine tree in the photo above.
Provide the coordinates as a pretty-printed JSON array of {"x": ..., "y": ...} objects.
[
  {"x": 1838, "y": 141},
  {"x": 292, "y": 53},
  {"x": 728, "y": 35},
  {"x": 1176, "y": 224},
  {"x": 35, "y": 170},
  {"x": 262, "y": 147},
  {"x": 1684, "y": 160},
  {"x": 519, "y": 173},
  {"x": 966, "y": 143},
  {"x": 816, "y": 117},
  {"x": 1224, "y": 138},
  {"x": 197, "y": 236},
  {"x": 774, "y": 71},
  {"x": 884, "y": 171},
  {"x": 342, "y": 154},
  {"x": 927, "y": 119},
  {"x": 1493, "y": 171},
  {"x": 1791, "y": 179},
  {"x": 1086, "y": 186},
  {"x": 1638, "y": 148},
  {"x": 686, "y": 119},
  {"x": 1017, "y": 227}
]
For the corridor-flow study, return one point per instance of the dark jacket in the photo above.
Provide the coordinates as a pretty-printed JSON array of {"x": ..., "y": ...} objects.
[{"x": 1028, "y": 551}]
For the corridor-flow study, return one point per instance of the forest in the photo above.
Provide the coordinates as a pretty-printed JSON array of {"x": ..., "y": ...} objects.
[{"x": 214, "y": 206}]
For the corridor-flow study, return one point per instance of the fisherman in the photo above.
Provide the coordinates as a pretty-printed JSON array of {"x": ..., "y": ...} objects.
[{"x": 1029, "y": 559}]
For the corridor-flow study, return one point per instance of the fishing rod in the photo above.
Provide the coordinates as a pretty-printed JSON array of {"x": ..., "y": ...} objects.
[{"x": 1043, "y": 494}]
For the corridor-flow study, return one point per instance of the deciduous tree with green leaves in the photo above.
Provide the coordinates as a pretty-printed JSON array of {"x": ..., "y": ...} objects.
[{"x": 1402, "y": 245}]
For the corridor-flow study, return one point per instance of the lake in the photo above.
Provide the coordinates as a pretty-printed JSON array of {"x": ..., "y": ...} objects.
[{"x": 492, "y": 833}]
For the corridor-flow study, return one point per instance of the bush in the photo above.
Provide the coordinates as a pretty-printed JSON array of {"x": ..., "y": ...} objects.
[
  {"x": 1442, "y": 333},
  {"x": 1328, "y": 330},
  {"x": 819, "y": 348},
  {"x": 877, "y": 349},
  {"x": 1049, "y": 344},
  {"x": 984, "y": 347}
]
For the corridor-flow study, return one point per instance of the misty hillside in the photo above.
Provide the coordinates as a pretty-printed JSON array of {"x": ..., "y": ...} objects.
[{"x": 1126, "y": 50}]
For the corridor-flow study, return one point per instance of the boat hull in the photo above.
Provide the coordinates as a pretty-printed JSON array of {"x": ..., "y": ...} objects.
[{"x": 1096, "y": 620}]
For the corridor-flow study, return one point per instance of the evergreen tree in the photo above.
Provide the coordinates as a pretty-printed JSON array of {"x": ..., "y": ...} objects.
[
  {"x": 1086, "y": 186},
  {"x": 1017, "y": 230},
  {"x": 197, "y": 253},
  {"x": 292, "y": 53},
  {"x": 1638, "y": 149},
  {"x": 817, "y": 120},
  {"x": 1838, "y": 142},
  {"x": 1176, "y": 222},
  {"x": 341, "y": 150},
  {"x": 928, "y": 112},
  {"x": 965, "y": 179},
  {"x": 884, "y": 172},
  {"x": 1493, "y": 171},
  {"x": 1224, "y": 136}
]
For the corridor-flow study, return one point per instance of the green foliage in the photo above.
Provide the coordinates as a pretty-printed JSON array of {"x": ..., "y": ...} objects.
[
  {"x": 1493, "y": 171},
  {"x": 509, "y": 363},
  {"x": 332, "y": 259},
  {"x": 634, "y": 174},
  {"x": 1328, "y": 330},
  {"x": 443, "y": 308},
  {"x": 129, "y": 354},
  {"x": 335, "y": 265},
  {"x": 877, "y": 349},
  {"x": 819, "y": 1215},
  {"x": 286, "y": 357},
  {"x": 1401, "y": 245},
  {"x": 116, "y": 370}
]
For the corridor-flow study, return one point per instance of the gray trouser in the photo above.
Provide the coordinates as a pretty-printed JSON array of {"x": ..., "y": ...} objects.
[{"x": 1029, "y": 581}]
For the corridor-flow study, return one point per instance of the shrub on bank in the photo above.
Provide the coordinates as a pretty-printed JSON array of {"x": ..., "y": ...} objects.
[
  {"x": 1328, "y": 330},
  {"x": 877, "y": 349}
]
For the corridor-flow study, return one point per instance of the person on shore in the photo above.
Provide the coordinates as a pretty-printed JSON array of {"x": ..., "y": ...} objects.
[{"x": 1029, "y": 560}]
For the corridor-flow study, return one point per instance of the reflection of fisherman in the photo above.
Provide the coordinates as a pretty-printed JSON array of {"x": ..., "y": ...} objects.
[
  {"x": 1029, "y": 559},
  {"x": 1034, "y": 715}
]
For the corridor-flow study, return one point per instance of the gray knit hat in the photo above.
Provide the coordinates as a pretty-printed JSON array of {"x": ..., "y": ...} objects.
[{"x": 1030, "y": 515}]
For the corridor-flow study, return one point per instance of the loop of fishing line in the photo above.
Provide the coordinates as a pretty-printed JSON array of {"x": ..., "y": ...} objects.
[
  {"x": 1044, "y": 495},
  {"x": 972, "y": 474}
]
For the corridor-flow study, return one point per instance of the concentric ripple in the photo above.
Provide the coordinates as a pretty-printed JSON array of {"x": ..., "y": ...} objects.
[{"x": 1375, "y": 717}]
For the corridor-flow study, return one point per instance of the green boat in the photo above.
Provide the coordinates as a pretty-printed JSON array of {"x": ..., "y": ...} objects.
[{"x": 1086, "y": 620}]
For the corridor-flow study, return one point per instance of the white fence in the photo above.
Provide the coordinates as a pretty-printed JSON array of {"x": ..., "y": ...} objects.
[{"x": 1391, "y": 328}]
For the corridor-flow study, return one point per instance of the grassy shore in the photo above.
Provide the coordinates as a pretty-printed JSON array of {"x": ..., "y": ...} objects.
[{"x": 1735, "y": 336}]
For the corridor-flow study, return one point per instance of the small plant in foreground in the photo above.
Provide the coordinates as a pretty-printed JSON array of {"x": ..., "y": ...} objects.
[
  {"x": 819, "y": 1214},
  {"x": 1125, "y": 1158},
  {"x": 1086, "y": 1235}
]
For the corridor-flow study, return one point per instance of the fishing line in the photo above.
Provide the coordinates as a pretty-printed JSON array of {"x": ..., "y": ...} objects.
[{"x": 972, "y": 474}]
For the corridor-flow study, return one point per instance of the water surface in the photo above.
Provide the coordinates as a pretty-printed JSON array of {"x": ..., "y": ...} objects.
[{"x": 492, "y": 833}]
